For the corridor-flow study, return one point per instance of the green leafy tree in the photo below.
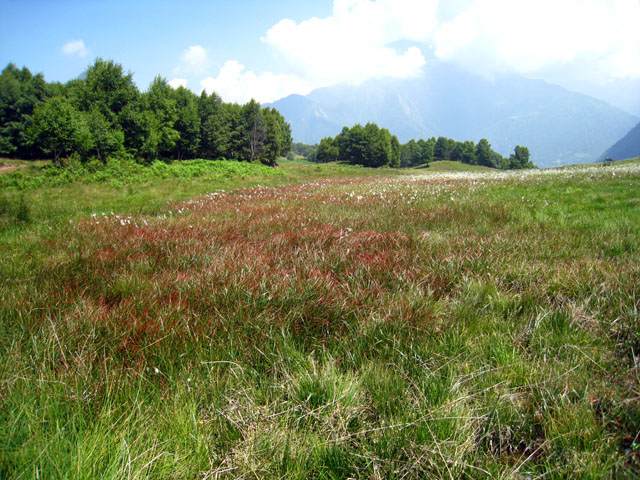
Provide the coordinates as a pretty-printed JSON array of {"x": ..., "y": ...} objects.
[
  {"x": 327, "y": 150},
  {"x": 187, "y": 124},
  {"x": 56, "y": 127},
  {"x": 253, "y": 133},
  {"x": 426, "y": 150},
  {"x": 161, "y": 116},
  {"x": 135, "y": 126},
  {"x": 499, "y": 161},
  {"x": 20, "y": 93},
  {"x": 484, "y": 154},
  {"x": 396, "y": 152},
  {"x": 378, "y": 146},
  {"x": 409, "y": 153},
  {"x": 107, "y": 88},
  {"x": 353, "y": 144},
  {"x": 442, "y": 149},
  {"x": 304, "y": 150},
  {"x": 468, "y": 153},
  {"x": 520, "y": 158},
  {"x": 278, "y": 136},
  {"x": 103, "y": 139},
  {"x": 215, "y": 127}
]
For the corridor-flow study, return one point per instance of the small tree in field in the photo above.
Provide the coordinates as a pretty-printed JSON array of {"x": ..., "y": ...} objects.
[{"x": 520, "y": 158}]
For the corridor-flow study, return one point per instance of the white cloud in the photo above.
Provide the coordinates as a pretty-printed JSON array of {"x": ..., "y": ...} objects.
[
  {"x": 193, "y": 60},
  {"x": 354, "y": 43},
  {"x": 564, "y": 41},
  {"x": 178, "y": 82},
  {"x": 600, "y": 38},
  {"x": 235, "y": 84},
  {"x": 75, "y": 48}
]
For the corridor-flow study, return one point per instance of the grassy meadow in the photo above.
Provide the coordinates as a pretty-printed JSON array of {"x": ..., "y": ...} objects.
[{"x": 217, "y": 320}]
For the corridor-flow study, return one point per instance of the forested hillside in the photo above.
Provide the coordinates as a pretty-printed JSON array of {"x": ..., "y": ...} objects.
[{"x": 104, "y": 114}]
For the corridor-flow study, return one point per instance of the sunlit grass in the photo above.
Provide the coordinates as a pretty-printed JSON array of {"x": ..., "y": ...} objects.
[{"x": 332, "y": 322}]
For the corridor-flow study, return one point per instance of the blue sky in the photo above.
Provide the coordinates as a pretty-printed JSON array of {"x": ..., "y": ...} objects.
[
  {"x": 268, "y": 49},
  {"x": 146, "y": 37}
]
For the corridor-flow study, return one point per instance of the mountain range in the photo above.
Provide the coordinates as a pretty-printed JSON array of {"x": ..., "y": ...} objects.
[
  {"x": 627, "y": 147},
  {"x": 559, "y": 126}
]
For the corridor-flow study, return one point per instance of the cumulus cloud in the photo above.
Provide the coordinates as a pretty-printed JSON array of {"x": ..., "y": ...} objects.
[
  {"x": 563, "y": 41},
  {"x": 354, "y": 43},
  {"x": 194, "y": 60},
  {"x": 235, "y": 84},
  {"x": 75, "y": 48},
  {"x": 178, "y": 82},
  {"x": 601, "y": 38}
]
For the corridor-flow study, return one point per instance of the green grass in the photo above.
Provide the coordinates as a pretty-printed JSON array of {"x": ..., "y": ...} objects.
[
  {"x": 322, "y": 321},
  {"x": 449, "y": 166},
  {"x": 628, "y": 161}
]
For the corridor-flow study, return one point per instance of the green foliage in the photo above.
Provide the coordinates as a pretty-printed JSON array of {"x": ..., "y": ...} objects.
[
  {"x": 57, "y": 128},
  {"x": 20, "y": 93},
  {"x": 105, "y": 115},
  {"x": 187, "y": 124},
  {"x": 483, "y": 154},
  {"x": 417, "y": 153},
  {"x": 103, "y": 140},
  {"x": 520, "y": 159},
  {"x": 277, "y": 141},
  {"x": 396, "y": 152},
  {"x": 304, "y": 150},
  {"x": 122, "y": 171},
  {"x": 370, "y": 146},
  {"x": 161, "y": 115},
  {"x": 327, "y": 151},
  {"x": 443, "y": 149},
  {"x": 106, "y": 88}
]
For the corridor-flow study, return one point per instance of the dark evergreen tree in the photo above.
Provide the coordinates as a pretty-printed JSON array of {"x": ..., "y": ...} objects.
[
  {"x": 396, "y": 152},
  {"x": 442, "y": 149}
]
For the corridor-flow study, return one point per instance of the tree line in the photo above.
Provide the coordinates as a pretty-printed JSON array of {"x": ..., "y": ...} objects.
[
  {"x": 104, "y": 114},
  {"x": 373, "y": 146}
]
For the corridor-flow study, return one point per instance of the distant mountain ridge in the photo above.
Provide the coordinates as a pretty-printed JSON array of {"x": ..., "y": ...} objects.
[
  {"x": 559, "y": 127},
  {"x": 627, "y": 147}
]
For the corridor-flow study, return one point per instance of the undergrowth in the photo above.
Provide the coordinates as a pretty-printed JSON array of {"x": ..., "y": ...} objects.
[{"x": 122, "y": 171}]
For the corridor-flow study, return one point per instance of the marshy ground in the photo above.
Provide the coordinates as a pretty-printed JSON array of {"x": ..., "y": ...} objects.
[{"x": 342, "y": 324}]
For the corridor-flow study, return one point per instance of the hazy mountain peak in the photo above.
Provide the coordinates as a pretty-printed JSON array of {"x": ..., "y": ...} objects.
[{"x": 558, "y": 126}]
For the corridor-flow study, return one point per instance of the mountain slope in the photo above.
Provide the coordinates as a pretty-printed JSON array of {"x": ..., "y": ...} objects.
[
  {"x": 627, "y": 147},
  {"x": 558, "y": 126}
]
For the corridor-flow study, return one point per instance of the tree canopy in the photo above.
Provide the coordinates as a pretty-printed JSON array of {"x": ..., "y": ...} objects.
[
  {"x": 373, "y": 146},
  {"x": 104, "y": 114}
]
